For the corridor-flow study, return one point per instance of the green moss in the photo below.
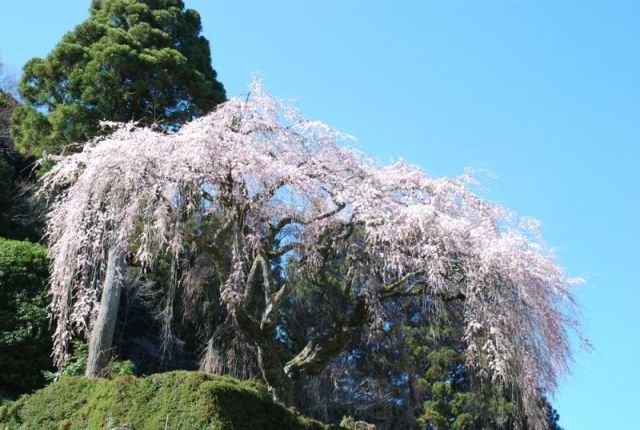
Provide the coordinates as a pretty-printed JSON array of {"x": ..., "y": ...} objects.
[{"x": 174, "y": 400}]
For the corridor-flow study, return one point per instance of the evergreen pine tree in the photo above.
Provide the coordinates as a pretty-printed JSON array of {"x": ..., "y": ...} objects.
[{"x": 131, "y": 60}]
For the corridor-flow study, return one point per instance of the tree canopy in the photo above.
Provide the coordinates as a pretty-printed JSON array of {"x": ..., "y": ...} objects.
[
  {"x": 129, "y": 61},
  {"x": 18, "y": 216},
  {"x": 253, "y": 200}
]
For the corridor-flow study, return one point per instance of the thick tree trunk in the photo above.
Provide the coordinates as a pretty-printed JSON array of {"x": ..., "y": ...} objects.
[
  {"x": 269, "y": 354},
  {"x": 105, "y": 324},
  {"x": 270, "y": 363}
]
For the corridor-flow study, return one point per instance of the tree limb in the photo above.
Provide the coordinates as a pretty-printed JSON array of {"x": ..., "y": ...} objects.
[
  {"x": 319, "y": 351},
  {"x": 388, "y": 288}
]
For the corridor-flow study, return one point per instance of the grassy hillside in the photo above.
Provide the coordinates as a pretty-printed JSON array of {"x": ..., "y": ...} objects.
[{"x": 174, "y": 400}]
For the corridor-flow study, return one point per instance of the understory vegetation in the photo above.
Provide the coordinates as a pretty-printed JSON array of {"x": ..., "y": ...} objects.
[
  {"x": 180, "y": 399},
  {"x": 25, "y": 335}
]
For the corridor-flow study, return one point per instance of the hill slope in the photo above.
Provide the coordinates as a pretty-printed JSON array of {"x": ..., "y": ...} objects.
[{"x": 173, "y": 400}]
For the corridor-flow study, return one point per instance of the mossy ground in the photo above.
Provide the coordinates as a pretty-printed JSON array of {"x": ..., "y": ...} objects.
[{"x": 174, "y": 400}]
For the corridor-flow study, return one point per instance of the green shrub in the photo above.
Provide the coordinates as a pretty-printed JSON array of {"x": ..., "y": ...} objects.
[
  {"x": 185, "y": 400},
  {"x": 6, "y": 398},
  {"x": 78, "y": 364},
  {"x": 25, "y": 336},
  {"x": 349, "y": 423}
]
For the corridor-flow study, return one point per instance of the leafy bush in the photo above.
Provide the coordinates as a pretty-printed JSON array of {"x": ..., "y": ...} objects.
[
  {"x": 6, "y": 398},
  {"x": 25, "y": 336},
  {"x": 77, "y": 365},
  {"x": 188, "y": 400},
  {"x": 350, "y": 423}
]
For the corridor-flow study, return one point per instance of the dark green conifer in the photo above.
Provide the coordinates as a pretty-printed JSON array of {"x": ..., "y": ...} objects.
[{"x": 131, "y": 60}]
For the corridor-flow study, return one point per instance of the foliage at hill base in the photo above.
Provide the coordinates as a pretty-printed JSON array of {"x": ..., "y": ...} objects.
[
  {"x": 25, "y": 335},
  {"x": 185, "y": 400}
]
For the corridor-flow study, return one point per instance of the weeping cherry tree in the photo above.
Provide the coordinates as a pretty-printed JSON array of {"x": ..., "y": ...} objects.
[{"x": 254, "y": 186}]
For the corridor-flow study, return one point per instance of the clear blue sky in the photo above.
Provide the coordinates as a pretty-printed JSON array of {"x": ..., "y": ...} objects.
[{"x": 544, "y": 94}]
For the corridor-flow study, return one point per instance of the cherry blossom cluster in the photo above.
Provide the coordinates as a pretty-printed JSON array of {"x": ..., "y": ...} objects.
[{"x": 269, "y": 173}]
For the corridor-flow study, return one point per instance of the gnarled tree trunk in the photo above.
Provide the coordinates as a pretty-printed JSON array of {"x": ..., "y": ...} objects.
[{"x": 105, "y": 324}]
